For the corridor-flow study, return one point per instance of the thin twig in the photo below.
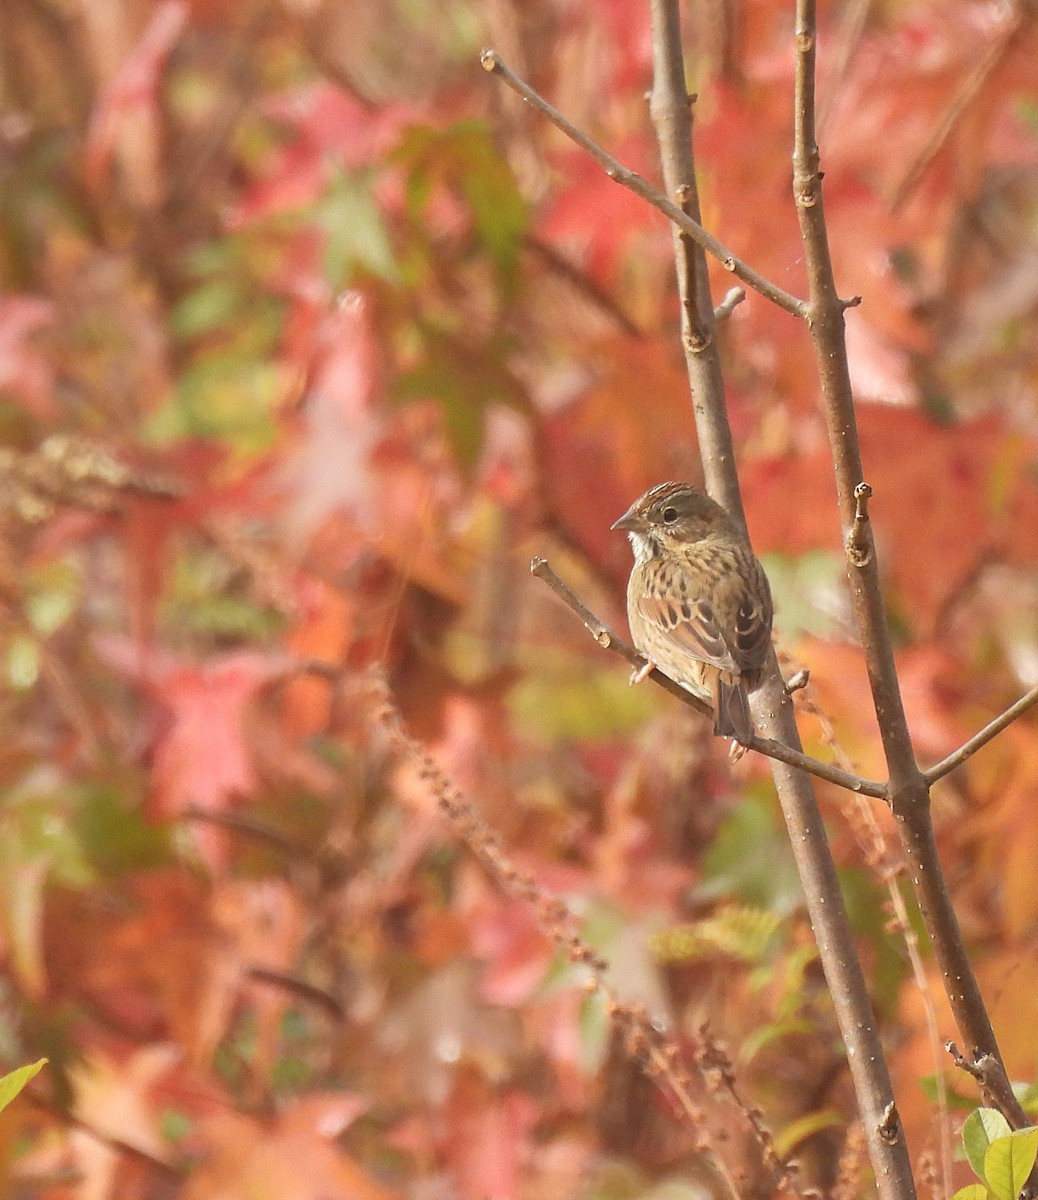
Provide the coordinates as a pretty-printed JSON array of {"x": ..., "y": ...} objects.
[
  {"x": 881, "y": 858},
  {"x": 170, "y": 1171},
  {"x": 981, "y": 739},
  {"x": 967, "y": 93},
  {"x": 854, "y": 20},
  {"x": 300, "y": 988},
  {"x": 493, "y": 63},
  {"x": 656, "y": 1050},
  {"x": 258, "y": 830},
  {"x": 734, "y": 296},
  {"x": 584, "y": 284}
]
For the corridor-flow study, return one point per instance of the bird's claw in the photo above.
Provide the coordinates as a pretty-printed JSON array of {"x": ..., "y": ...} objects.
[{"x": 640, "y": 674}]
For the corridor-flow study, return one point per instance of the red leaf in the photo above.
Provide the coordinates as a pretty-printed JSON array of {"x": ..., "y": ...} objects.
[
  {"x": 25, "y": 373},
  {"x": 201, "y": 754},
  {"x": 126, "y": 119},
  {"x": 330, "y": 127},
  {"x": 601, "y": 219}
]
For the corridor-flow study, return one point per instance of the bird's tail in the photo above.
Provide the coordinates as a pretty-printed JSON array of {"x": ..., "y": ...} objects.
[{"x": 732, "y": 709}]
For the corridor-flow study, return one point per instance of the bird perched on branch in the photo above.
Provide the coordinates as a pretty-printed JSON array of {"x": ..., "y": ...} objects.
[{"x": 698, "y": 601}]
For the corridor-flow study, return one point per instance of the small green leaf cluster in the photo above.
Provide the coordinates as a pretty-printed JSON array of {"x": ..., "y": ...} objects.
[{"x": 1002, "y": 1158}]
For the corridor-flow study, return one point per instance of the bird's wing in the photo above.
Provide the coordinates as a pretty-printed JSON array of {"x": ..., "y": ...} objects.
[
  {"x": 692, "y": 627},
  {"x": 753, "y": 625}
]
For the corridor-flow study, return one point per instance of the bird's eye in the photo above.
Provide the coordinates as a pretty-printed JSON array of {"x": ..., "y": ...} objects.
[{"x": 670, "y": 515}]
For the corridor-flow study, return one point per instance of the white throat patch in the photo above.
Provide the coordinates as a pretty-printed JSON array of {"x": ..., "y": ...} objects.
[{"x": 643, "y": 548}]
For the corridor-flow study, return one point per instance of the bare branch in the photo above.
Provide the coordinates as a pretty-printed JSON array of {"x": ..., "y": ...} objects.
[
  {"x": 308, "y": 992},
  {"x": 657, "y": 1051},
  {"x": 908, "y": 787},
  {"x": 992, "y": 58},
  {"x": 733, "y": 297},
  {"x": 771, "y": 749},
  {"x": 979, "y": 740},
  {"x": 772, "y": 707},
  {"x": 167, "y": 1170},
  {"x": 493, "y": 63},
  {"x": 989, "y": 1072},
  {"x": 584, "y": 284}
]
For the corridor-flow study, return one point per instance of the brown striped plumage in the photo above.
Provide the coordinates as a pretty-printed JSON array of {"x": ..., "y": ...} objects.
[{"x": 698, "y": 601}]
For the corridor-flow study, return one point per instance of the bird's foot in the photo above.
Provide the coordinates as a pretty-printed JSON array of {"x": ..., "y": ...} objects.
[
  {"x": 640, "y": 674},
  {"x": 736, "y": 751}
]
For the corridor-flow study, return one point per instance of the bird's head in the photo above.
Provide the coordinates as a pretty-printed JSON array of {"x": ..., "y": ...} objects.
[{"x": 671, "y": 516}]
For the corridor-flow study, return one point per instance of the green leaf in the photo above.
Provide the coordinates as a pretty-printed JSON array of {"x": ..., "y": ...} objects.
[
  {"x": 465, "y": 159},
  {"x": 798, "y": 1131},
  {"x": 1008, "y": 1162},
  {"x": 979, "y": 1130},
  {"x": 750, "y": 859},
  {"x": 581, "y": 707},
  {"x": 53, "y": 592},
  {"x": 355, "y": 232},
  {"x": 13, "y": 1082},
  {"x": 23, "y": 662},
  {"x": 774, "y": 1031},
  {"x": 741, "y": 931},
  {"x": 115, "y": 834},
  {"x": 227, "y": 395},
  {"x": 209, "y": 307},
  {"x": 972, "y": 1191},
  {"x": 466, "y": 380},
  {"x": 1028, "y": 1097},
  {"x": 956, "y": 1100}
]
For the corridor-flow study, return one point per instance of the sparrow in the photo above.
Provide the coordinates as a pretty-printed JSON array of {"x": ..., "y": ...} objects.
[{"x": 698, "y": 601}]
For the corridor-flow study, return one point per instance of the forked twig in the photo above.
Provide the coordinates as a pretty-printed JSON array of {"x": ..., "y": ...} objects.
[
  {"x": 982, "y": 737},
  {"x": 634, "y": 182},
  {"x": 908, "y": 787}
]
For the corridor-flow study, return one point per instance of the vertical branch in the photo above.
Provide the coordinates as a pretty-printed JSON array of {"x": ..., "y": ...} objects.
[
  {"x": 671, "y": 108},
  {"x": 774, "y": 713},
  {"x": 909, "y": 793},
  {"x": 825, "y": 319}
]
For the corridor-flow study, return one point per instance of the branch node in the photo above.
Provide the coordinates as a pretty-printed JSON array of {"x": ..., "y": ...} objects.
[
  {"x": 807, "y": 194},
  {"x": 859, "y": 540},
  {"x": 493, "y": 63},
  {"x": 696, "y": 340},
  {"x": 734, "y": 296},
  {"x": 889, "y": 1127},
  {"x": 981, "y": 739},
  {"x": 798, "y": 681},
  {"x": 851, "y": 302},
  {"x": 963, "y": 1063}
]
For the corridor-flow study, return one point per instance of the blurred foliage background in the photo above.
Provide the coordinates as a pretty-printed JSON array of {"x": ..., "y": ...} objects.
[{"x": 311, "y": 335}]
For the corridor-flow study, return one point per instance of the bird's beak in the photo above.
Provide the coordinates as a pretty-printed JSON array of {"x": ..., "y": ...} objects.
[{"x": 630, "y": 522}]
